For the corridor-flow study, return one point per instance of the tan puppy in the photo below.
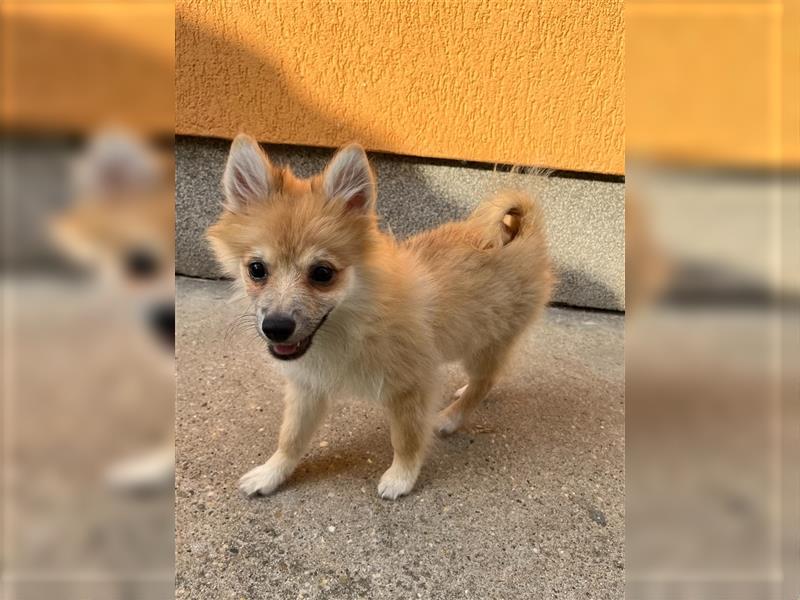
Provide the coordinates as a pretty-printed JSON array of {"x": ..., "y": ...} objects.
[
  {"x": 121, "y": 225},
  {"x": 348, "y": 310}
]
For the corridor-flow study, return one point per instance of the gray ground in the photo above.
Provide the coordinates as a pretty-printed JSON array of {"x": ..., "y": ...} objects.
[
  {"x": 86, "y": 386},
  {"x": 526, "y": 503}
]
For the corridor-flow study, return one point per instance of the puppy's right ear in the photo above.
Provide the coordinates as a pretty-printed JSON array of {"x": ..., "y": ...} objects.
[
  {"x": 248, "y": 174},
  {"x": 116, "y": 163}
]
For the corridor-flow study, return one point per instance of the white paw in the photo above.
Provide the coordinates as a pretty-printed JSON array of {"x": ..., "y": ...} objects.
[
  {"x": 147, "y": 472},
  {"x": 268, "y": 477},
  {"x": 396, "y": 482},
  {"x": 448, "y": 421}
]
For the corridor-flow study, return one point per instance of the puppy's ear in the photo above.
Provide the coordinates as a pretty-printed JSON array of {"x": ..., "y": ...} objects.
[
  {"x": 116, "y": 163},
  {"x": 348, "y": 178},
  {"x": 248, "y": 174}
]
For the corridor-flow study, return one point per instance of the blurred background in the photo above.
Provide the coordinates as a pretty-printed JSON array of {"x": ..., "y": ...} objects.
[
  {"x": 88, "y": 299},
  {"x": 713, "y": 288}
]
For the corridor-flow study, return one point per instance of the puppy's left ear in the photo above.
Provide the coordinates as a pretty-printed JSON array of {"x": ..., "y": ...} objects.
[{"x": 348, "y": 178}]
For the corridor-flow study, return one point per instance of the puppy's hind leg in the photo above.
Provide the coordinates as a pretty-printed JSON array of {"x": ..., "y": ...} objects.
[
  {"x": 303, "y": 413},
  {"x": 482, "y": 369}
]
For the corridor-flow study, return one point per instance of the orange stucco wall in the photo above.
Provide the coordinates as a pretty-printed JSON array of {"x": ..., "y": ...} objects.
[
  {"x": 76, "y": 66},
  {"x": 520, "y": 82},
  {"x": 713, "y": 83}
]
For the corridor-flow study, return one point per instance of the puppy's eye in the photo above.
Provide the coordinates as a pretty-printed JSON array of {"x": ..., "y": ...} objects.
[
  {"x": 321, "y": 274},
  {"x": 257, "y": 270},
  {"x": 141, "y": 264}
]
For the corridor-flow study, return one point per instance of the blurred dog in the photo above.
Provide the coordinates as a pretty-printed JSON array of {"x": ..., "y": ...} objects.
[
  {"x": 121, "y": 225},
  {"x": 347, "y": 309}
]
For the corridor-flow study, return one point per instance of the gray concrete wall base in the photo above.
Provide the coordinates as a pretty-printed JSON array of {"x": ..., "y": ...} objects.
[{"x": 586, "y": 217}]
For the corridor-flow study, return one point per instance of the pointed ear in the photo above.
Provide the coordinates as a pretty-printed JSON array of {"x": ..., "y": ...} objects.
[
  {"x": 116, "y": 162},
  {"x": 348, "y": 178},
  {"x": 248, "y": 174}
]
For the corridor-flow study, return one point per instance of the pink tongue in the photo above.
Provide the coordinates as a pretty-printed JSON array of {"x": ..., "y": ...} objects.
[{"x": 285, "y": 348}]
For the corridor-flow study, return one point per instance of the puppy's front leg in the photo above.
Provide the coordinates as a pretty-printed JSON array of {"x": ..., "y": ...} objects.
[
  {"x": 410, "y": 421},
  {"x": 304, "y": 411}
]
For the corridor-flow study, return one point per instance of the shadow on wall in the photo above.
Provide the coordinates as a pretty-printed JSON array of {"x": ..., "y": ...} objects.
[{"x": 413, "y": 194}]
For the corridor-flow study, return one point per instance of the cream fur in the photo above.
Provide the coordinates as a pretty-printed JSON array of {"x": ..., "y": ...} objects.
[{"x": 397, "y": 311}]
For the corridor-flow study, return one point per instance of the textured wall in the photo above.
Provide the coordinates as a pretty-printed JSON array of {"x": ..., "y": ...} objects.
[
  {"x": 521, "y": 82},
  {"x": 528, "y": 82}
]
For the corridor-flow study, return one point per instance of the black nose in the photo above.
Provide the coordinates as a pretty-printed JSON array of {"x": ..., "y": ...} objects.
[
  {"x": 162, "y": 321},
  {"x": 278, "y": 328}
]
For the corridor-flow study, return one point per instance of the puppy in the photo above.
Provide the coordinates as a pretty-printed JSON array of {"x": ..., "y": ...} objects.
[
  {"x": 121, "y": 227},
  {"x": 345, "y": 309}
]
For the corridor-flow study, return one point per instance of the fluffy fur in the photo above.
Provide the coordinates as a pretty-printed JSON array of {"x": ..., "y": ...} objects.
[{"x": 394, "y": 311}]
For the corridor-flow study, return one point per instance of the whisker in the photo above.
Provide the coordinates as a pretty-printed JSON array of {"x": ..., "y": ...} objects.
[{"x": 243, "y": 323}]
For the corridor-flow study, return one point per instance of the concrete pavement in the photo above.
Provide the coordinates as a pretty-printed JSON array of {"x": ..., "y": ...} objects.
[{"x": 526, "y": 503}]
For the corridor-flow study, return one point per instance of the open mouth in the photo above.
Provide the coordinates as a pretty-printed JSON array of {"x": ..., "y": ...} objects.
[{"x": 297, "y": 349}]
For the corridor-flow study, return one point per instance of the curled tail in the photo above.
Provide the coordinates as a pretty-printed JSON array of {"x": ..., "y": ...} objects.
[
  {"x": 510, "y": 215},
  {"x": 511, "y": 226}
]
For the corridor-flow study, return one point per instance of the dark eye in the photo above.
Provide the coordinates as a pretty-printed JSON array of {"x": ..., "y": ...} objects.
[
  {"x": 257, "y": 270},
  {"x": 321, "y": 274},
  {"x": 141, "y": 264}
]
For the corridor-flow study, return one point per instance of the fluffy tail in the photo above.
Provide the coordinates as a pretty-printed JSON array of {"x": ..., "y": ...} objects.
[{"x": 510, "y": 215}]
